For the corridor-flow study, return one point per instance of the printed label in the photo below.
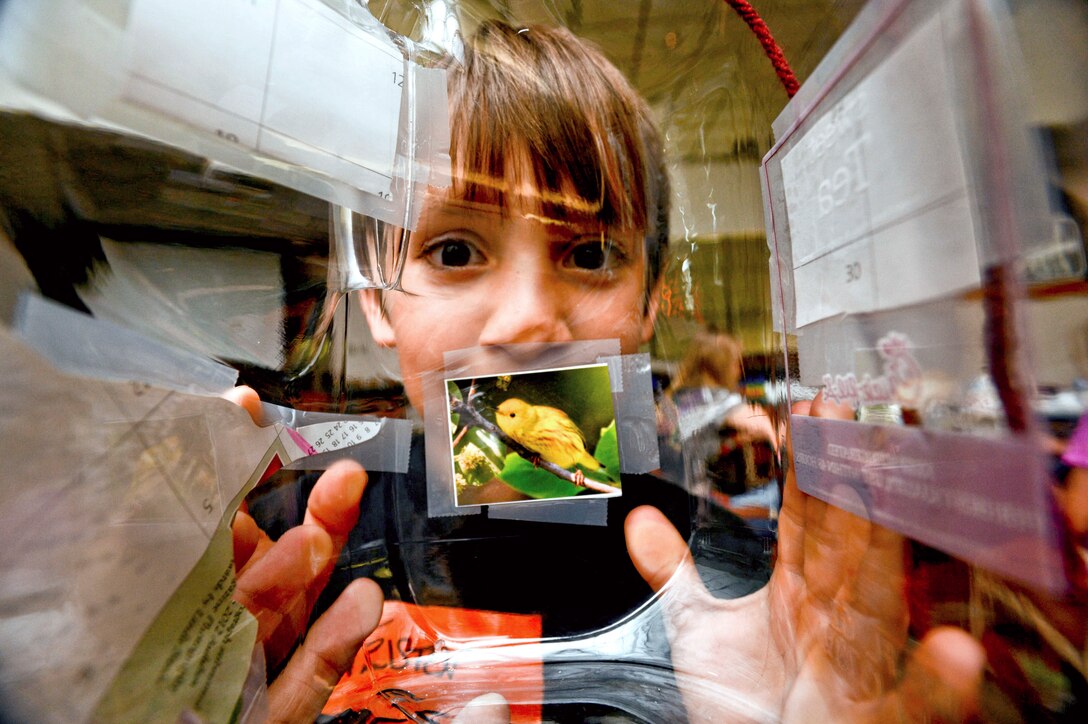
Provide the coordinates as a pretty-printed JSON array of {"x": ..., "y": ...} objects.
[
  {"x": 876, "y": 193},
  {"x": 983, "y": 500}
]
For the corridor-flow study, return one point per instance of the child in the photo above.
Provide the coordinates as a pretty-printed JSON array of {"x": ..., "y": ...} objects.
[
  {"x": 555, "y": 226},
  {"x": 554, "y": 230}
]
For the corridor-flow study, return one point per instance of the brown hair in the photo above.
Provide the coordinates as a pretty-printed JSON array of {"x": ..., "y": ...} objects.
[{"x": 541, "y": 101}]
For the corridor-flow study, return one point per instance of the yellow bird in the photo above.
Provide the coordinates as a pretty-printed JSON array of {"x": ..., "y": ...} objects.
[{"x": 546, "y": 431}]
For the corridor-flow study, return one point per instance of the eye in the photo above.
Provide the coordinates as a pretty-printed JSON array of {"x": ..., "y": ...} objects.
[
  {"x": 594, "y": 255},
  {"x": 452, "y": 253}
]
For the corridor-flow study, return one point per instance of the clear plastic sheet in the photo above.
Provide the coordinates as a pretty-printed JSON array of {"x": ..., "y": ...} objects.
[
  {"x": 109, "y": 487},
  {"x": 876, "y": 269},
  {"x": 97, "y": 348},
  {"x": 234, "y": 83},
  {"x": 538, "y": 269}
]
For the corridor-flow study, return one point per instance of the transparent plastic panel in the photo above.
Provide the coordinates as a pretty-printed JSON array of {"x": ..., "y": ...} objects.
[
  {"x": 899, "y": 234},
  {"x": 360, "y": 124},
  {"x": 925, "y": 234},
  {"x": 532, "y": 297}
]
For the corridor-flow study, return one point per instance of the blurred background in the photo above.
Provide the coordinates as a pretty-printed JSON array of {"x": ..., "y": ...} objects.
[{"x": 235, "y": 266}]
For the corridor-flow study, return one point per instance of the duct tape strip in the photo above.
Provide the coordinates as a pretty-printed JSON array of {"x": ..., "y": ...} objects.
[
  {"x": 376, "y": 443},
  {"x": 80, "y": 344},
  {"x": 607, "y": 396}
]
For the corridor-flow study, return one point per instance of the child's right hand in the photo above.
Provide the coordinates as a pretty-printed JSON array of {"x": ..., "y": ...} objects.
[{"x": 278, "y": 582}]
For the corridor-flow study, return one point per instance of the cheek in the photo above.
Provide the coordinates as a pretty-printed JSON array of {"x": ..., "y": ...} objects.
[
  {"x": 419, "y": 351},
  {"x": 425, "y": 329},
  {"x": 604, "y": 315}
]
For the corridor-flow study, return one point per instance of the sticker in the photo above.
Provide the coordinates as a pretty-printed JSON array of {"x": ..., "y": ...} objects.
[
  {"x": 542, "y": 435},
  {"x": 901, "y": 381},
  {"x": 983, "y": 500}
]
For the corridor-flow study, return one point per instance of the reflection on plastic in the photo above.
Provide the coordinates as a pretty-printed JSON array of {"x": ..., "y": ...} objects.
[{"x": 111, "y": 492}]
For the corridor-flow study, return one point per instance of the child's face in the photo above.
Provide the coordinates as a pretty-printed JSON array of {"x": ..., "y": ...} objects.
[{"x": 486, "y": 277}]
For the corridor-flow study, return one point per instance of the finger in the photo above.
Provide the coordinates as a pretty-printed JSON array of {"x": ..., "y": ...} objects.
[
  {"x": 246, "y": 536},
  {"x": 792, "y": 515},
  {"x": 867, "y": 625},
  {"x": 835, "y": 542},
  {"x": 301, "y": 690},
  {"x": 280, "y": 587},
  {"x": 247, "y": 399},
  {"x": 655, "y": 546},
  {"x": 334, "y": 501},
  {"x": 823, "y": 407},
  {"x": 800, "y": 514},
  {"x": 485, "y": 709},
  {"x": 880, "y": 584},
  {"x": 943, "y": 677}
]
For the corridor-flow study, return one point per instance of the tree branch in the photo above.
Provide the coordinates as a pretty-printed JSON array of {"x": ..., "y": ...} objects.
[{"x": 475, "y": 419}]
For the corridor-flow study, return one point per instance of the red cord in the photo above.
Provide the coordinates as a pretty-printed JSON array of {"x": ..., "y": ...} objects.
[{"x": 778, "y": 59}]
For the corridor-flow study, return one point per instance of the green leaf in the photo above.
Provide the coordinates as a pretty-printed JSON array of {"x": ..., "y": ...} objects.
[
  {"x": 608, "y": 452},
  {"x": 487, "y": 442},
  {"x": 520, "y": 475},
  {"x": 455, "y": 392}
]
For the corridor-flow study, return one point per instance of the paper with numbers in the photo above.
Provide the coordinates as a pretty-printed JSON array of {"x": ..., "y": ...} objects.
[
  {"x": 876, "y": 192},
  {"x": 328, "y": 436},
  {"x": 291, "y": 79},
  {"x": 111, "y": 493}
]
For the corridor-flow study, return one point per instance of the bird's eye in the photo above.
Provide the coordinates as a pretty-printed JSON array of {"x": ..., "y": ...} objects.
[{"x": 513, "y": 414}]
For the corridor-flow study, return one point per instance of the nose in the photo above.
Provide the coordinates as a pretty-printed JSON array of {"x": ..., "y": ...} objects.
[{"x": 527, "y": 307}]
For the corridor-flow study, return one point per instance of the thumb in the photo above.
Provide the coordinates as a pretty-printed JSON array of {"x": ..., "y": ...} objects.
[
  {"x": 247, "y": 399},
  {"x": 655, "y": 546},
  {"x": 303, "y": 687},
  {"x": 485, "y": 709}
]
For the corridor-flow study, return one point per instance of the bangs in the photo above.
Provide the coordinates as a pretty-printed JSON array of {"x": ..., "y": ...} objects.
[{"x": 539, "y": 120}]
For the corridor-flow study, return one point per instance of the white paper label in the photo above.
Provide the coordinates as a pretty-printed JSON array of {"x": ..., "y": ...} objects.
[
  {"x": 326, "y": 436},
  {"x": 288, "y": 78},
  {"x": 876, "y": 192}
]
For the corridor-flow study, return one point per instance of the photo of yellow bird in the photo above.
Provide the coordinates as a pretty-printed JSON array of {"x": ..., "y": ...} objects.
[{"x": 546, "y": 431}]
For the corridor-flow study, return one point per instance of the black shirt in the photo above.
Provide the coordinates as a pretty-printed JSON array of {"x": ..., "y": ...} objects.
[{"x": 577, "y": 578}]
